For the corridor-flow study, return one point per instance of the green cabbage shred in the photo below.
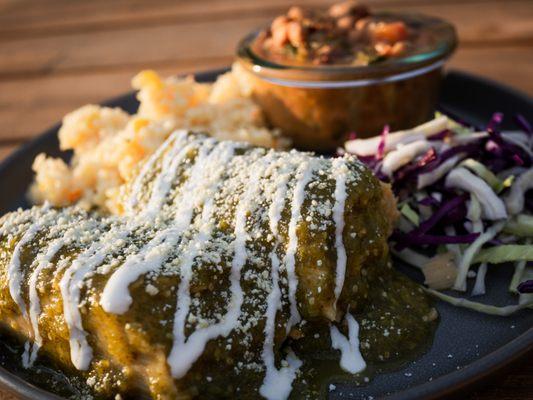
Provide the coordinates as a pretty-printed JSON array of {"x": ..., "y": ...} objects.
[
  {"x": 520, "y": 225},
  {"x": 484, "y": 173},
  {"x": 505, "y": 253}
]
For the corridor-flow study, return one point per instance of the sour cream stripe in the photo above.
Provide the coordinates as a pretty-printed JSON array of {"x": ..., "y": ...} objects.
[
  {"x": 178, "y": 139},
  {"x": 166, "y": 177},
  {"x": 340, "y": 172},
  {"x": 183, "y": 355},
  {"x": 277, "y": 383},
  {"x": 70, "y": 285},
  {"x": 116, "y": 297},
  {"x": 184, "y": 299},
  {"x": 303, "y": 176},
  {"x": 351, "y": 359},
  {"x": 203, "y": 235},
  {"x": 14, "y": 274},
  {"x": 41, "y": 261}
]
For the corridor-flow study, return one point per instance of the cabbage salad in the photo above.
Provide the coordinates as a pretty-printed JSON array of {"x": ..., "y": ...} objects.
[{"x": 463, "y": 198}]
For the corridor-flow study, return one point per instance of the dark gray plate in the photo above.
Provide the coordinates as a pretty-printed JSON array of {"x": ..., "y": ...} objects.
[{"x": 467, "y": 347}]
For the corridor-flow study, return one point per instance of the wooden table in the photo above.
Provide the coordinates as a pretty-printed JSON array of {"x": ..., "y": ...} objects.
[{"x": 57, "y": 55}]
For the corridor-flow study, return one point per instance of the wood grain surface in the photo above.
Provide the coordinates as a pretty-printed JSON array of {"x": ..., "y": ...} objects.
[{"x": 57, "y": 55}]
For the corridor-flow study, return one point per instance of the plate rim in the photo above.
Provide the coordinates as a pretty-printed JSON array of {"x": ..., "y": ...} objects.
[{"x": 468, "y": 377}]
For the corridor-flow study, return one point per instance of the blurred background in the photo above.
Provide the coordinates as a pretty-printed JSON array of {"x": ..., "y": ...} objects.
[{"x": 56, "y": 55}]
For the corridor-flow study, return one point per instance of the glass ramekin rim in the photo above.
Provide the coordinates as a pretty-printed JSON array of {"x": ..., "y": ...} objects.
[
  {"x": 351, "y": 83},
  {"x": 440, "y": 52}
]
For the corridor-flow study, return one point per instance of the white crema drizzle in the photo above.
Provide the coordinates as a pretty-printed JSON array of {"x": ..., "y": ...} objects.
[
  {"x": 70, "y": 285},
  {"x": 116, "y": 297},
  {"x": 177, "y": 139},
  {"x": 14, "y": 274},
  {"x": 351, "y": 359},
  {"x": 277, "y": 383},
  {"x": 303, "y": 177},
  {"x": 163, "y": 182},
  {"x": 196, "y": 244},
  {"x": 88, "y": 261},
  {"x": 43, "y": 260},
  {"x": 185, "y": 353},
  {"x": 340, "y": 171}
]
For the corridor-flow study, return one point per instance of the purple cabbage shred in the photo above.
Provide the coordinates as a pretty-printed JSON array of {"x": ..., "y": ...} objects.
[
  {"x": 526, "y": 286},
  {"x": 523, "y": 123},
  {"x": 381, "y": 147},
  {"x": 429, "y": 202},
  {"x": 441, "y": 135},
  {"x": 495, "y": 121},
  {"x": 442, "y": 212},
  {"x": 408, "y": 239},
  {"x": 413, "y": 170}
]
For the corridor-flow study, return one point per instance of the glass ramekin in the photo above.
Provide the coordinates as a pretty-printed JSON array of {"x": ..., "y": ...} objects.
[{"x": 318, "y": 106}]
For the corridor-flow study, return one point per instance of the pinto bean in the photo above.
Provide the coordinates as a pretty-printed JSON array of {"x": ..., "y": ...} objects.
[
  {"x": 295, "y": 34},
  {"x": 362, "y": 24},
  {"x": 355, "y": 36},
  {"x": 346, "y": 23},
  {"x": 297, "y": 13},
  {"x": 390, "y": 50},
  {"x": 382, "y": 48},
  {"x": 279, "y": 21},
  {"x": 398, "y": 48},
  {"x": 280, "y": 35},
  {"x": 349, "y": 7}
]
